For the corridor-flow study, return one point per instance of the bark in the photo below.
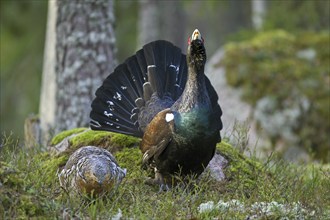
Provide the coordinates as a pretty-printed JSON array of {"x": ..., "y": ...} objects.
[{"x": 84, "y": 48}]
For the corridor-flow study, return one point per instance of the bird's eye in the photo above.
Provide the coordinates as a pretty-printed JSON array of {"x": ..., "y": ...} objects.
[{"x": 189, "y": 40}]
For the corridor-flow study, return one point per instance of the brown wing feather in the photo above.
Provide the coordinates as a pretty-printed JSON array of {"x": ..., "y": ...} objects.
[{"x": 157, "y": 136}]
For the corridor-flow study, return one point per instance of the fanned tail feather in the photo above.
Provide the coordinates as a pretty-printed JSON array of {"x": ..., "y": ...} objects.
[{"x": 158, "y": 71}]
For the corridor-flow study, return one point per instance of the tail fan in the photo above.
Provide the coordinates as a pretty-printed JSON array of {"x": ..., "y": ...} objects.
[{"x": 159, "y": 68}]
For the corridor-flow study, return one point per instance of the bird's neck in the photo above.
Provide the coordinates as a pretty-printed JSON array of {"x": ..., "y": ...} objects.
[{"x": 195, "y": 95}]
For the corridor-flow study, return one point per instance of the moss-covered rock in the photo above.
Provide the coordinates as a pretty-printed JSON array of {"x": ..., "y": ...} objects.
[
  {"x": 285, "y": 77},
  {"x": 240, "y": 169},
  {"x": 60, "y": 137},
  {"x": 67, "y": 142},
  {"x": 128, "y": 156}
]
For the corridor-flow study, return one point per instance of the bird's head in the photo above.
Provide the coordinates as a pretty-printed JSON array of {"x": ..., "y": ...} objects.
[{"x": 196, "y": 55}]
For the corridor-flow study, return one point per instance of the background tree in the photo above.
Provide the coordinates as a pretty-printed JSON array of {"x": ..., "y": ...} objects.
[
  {"x": 161, "y": 20},
  {"x": 258, "y": 13},
  {"x": 148, "y": 22},
  {"x": 84, "y": 56}
]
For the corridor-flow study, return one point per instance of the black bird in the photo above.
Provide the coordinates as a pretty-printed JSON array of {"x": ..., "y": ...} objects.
[{"x": 164, "y": 97}]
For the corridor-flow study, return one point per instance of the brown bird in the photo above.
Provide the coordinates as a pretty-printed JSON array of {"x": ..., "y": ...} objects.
[
  {"x": 164, "y": 97},
  {"x": 91, "y": 171}
]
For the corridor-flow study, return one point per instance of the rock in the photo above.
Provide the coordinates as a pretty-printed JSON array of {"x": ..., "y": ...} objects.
[
  {"x": 68, "y": 141},
  {"x": 217, "y": 166},
  {"x": 233, "y": 108}
]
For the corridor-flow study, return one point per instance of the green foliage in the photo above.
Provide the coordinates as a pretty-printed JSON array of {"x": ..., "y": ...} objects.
[
  {"x": 294, "y": 15},
  {"x": 22, "y": 36},
  {"x": 126, "y": 14},
  {"x": 284, "y": 66}
]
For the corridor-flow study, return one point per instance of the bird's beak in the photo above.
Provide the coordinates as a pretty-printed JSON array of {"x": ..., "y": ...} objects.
[{"x": 196, "y": 35}]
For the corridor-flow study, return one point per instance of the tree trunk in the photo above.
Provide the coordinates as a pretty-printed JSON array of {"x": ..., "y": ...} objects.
[
  {"x": 258, "y": 13},
  {"x": 84, "y": 49},
  {"x": 48, "y": 84},
  {"x": 148, "y": 23},
  {"x": 173, "y": 23}
]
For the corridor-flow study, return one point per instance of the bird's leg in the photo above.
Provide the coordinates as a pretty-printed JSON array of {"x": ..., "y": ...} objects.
[{"x": 160, "y": 179}]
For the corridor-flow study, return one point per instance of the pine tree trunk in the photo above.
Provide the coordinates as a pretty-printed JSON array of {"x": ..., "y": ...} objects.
[
  {"x": 48, "y": 85},
  {"x": 85, "y": 46},
  {"x": 173, "y": 23},
  {"x": 258, "y": 13},
  {"x": 148, "y": 24}
]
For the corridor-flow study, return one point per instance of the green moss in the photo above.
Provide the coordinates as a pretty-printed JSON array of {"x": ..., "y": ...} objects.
[
  {"x": 90, "y": 137},
  {"x": 49, "y": 165},
  {"x": 130, "y": 158},
  {"x": 124, "y": 140},
  {"x": 86, "y": 137},
  {"x": 29, "y": 206},
  {"x": 240, "y": 168},
  {"x": 60, "y": 137},
  {"x": 10, "y": 175},
  {"x": 24, "y": 185}
]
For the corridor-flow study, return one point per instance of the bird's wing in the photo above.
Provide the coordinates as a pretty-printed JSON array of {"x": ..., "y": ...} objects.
[{"x": 157, "y": 136}]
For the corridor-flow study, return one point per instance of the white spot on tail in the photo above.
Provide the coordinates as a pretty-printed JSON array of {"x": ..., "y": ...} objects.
[
  {"x": 108, "y": 114},
  {"x": 169, "y": 117},
  {"x": 150, "y": 66},
  {"x": 117, "y": 96},
  {"x": 110, "y": 103},
  {"x": 175, "y": 67}
]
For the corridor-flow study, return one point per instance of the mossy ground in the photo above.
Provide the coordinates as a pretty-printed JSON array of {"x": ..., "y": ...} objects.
[
  {"x": 29, "y": 188},
  {"x": 80, "y": 137}
]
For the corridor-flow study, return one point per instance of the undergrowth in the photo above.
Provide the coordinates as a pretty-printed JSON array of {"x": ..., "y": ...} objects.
[{"x": 30, "y": 189}]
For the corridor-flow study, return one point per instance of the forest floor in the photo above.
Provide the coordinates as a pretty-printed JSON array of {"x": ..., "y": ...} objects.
[{"x": 29, "y": 188}]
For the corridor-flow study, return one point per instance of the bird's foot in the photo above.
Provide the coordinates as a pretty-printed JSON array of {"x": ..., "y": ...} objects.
[
  {"x": 158, "y": 180},
  {"x": 163, "y": 188},
  {"x": 151, "y": 181}
]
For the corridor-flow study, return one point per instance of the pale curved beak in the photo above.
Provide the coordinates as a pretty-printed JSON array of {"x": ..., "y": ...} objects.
[{"x": 196, "y": 35}]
